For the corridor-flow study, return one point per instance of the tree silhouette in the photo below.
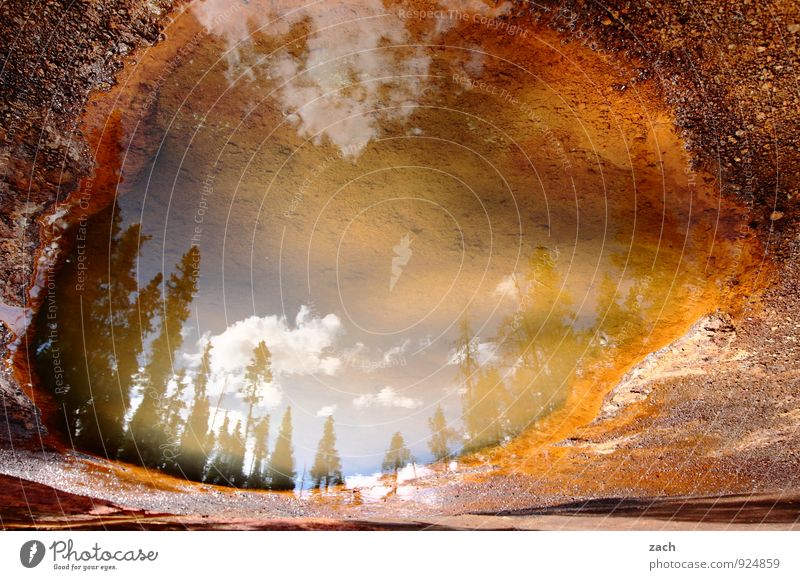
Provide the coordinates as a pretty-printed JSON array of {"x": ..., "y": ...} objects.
[
  {"x": 175, "y": 403},
  {"x": 327, "y": 468},
  {"x": 483, "y": 410},
  {"x": 234, "y": 465},
  {"x": 227, "y": 465},
  {"x": 441, "y": 435},
  {"x": 217, "y": 472},
  {"x": 123, "y": 329},
  {"x": 94, "y": 329},
  {"x": 99, "y": 336},
  {"x": 398, "y": 455},
  {"x": 148, "y": 430},
  {"x": 281, "y": 465},
  {"x": 258, "y": 474},
  {"x": 259, "y": 371},
  {"x": 467, "y": 352},
  {"x": 196, "y": 440},
  {"x": 483, "y": 390},
  {"x": 538, "y": 341}
]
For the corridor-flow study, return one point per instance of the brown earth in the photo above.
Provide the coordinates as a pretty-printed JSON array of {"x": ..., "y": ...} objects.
[{"x": 702, "y": 433}]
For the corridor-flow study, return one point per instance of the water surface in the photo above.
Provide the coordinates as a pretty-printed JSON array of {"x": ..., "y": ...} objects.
[{"x": 430, "y": 226}]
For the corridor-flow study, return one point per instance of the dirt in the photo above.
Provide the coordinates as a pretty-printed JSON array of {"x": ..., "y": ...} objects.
[
  {"x": 54, "y": 55},
  {"x": 705, "y": 423}
]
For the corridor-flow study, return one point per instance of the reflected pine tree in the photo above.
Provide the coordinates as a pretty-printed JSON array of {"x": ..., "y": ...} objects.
[
  {"x": 175, "y": 405},
  {"x": 94, "y": 328},
  {"x": 534, "y": 357},
  {"x": 482, "y": 388},
  {"x": 197, "y": 439},
  {"x": 217, "y": 471},
  {"x": 281, "y": 464},
  {"x": 226, "y": 466},
  {"x": 258, "y": 478},
  {"x": 397, "y": 456},
  {"x": 327, "y": 469},
  {"x": 258, "y": 372},
  {"x": 539, "y": 345},
  {"x": 237, "y": 448},
  {"x": 441, "y": 436},
  {"x": 483, "y": 410},
  {"x": 149, "y": 430}
]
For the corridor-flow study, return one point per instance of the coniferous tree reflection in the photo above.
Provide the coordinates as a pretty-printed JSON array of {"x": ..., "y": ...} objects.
[
  {"x": 196, "y": 442},
  {"x": 258, "y": 477},
  {"x": 235, "y": 462},
  {"x": 148, "y": 431},
  {"x": 258, "y": 372},
  {"x": 96, "y": 327},
  {"x": 397, "y": 456},
  {"x": 441, "y": 436},
  {"x": 217, "y": 472},
  {"x": 327, "y": 469},
  {"x": 281, "y": 464},
  {"x": 539, "y": 345}
]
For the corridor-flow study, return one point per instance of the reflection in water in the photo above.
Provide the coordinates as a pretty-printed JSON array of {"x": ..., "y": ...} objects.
[
  {"x": 327, "y": 469},
  {"x": 442, "y": 436},
  {"x": 398, "y": 455},
  {"x": 322, "y": 214}
]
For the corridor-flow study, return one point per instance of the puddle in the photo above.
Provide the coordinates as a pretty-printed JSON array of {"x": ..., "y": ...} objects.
[{"x": 426, "y": 224}]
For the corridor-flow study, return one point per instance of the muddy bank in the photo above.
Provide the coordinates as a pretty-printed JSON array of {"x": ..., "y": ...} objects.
[
  {"x": 50, "y": 494},
  {"x": 54, "y": 55},
  {"x": 726, "y": 426}
]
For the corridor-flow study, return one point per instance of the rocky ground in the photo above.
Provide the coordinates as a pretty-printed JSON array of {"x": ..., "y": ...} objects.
[
  {"x": 54, "y": 55},
  {"x": 713, "y": 415}
]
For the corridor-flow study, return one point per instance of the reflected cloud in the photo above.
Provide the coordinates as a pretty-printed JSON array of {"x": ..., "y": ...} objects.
[
  {"x": 358, "y": 357},
  {"x": 483, "y": 351},
  {"x": 508, "y": 287},
  {"x": 346, "y": 81},
  {"x": 386, "y": 397},
  {"x": 296, "y": 350},
  {"x": 327, "y": 411}
]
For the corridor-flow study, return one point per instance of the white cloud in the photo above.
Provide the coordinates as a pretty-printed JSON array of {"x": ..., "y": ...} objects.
[
  {"x": 386, "y": 397},
  {"x": 374, "y": 486},
  {"x": 271, "y": 393},
  {"x": 298, "y": 350},
  {"x": 508, "y": 287},
  {"x": 396, "y": 353},
  {"x": 326, "y": 411},
  {"x": 486, "y": 352},
  {"x": 346, "y": 83},
  {"x": 483, "y": 352},
  {"x": 353, "y": 355},
  {"x": 358, "y": 356}
]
